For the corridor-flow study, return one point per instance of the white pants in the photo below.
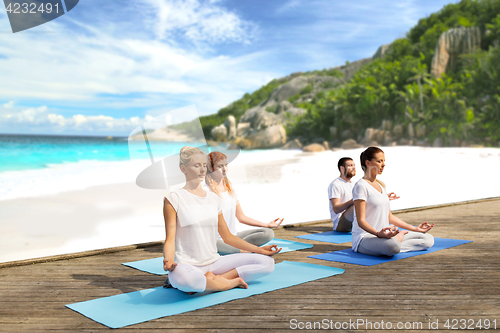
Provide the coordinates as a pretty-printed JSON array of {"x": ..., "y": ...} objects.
[{"x": 250, "y": 266}]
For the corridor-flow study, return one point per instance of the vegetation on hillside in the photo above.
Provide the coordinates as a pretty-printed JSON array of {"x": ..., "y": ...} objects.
[{"x": 463, "y": 105}]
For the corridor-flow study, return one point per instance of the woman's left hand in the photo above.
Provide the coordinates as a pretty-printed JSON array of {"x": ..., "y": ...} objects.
[
  {"x": 271, "y": 250},
  {"x": 393, "y": 196},
  {"x": 275, "y": 223},
  {"x": 424, "y": 227}
]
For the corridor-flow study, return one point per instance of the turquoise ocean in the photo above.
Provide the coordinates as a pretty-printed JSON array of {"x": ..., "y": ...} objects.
[{"x": 29, "y": 152}]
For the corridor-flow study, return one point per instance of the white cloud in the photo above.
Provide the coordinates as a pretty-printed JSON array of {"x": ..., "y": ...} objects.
[
  {"x": 288, "y": 6},
  {"x": 41, "y": 120},
  {"x": 83, "y": 64},
  {"x": 9, "y": 104},
  {"x": 199, "y": 20}
]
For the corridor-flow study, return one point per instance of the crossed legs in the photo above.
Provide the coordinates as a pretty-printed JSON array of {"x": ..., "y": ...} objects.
[
  {"x": 345, "y": 221},
  {"x": 411, "y": 241},
  {"x": 256, "y": 237},
  {"x": 226, "y": 273}
]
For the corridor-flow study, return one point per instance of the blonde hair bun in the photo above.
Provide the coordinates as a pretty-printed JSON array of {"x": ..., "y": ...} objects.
[{"x": 187, "y": 153}]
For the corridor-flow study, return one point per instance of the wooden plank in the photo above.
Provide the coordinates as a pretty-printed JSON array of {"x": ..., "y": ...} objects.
[{"x": 455, "y": 283}]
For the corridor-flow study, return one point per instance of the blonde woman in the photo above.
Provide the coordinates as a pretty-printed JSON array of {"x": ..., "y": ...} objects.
[
  {"x": 218, "y": 183},
  {"x": 375, "y": 229},
  {"x": 193, "y": 217}
]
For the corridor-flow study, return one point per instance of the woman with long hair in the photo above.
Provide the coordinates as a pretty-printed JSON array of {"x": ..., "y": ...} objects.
[
  {"x": 193, "y": 217},
  {"x": 219, "y": 184},
  {"x": 375, "y": 229}
]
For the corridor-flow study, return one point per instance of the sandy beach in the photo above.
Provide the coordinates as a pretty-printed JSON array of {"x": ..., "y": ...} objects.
[{"x": 59, "y": 219}]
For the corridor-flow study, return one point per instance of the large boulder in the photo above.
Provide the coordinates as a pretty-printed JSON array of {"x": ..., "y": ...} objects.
[
  {"x": 250, "y": 114},
  {"x": 387, "y": 125},
  {"x": 420, "y": 130},
  {"x": 387, "y": 140},
  {"x": 219, "y": 133},
  {"x": 381, "y": 134},
  {"x": 348, "y": 70},
  {"x": 381, "y": 51},
  {"x": 314, "y": 147},
  {"x": 451, "y": 45},
  {"x": 230, "y": 124},
  {"x": 294, "y": 144},
  {"x": 350, "y": 144},
  {"x": 283, "y": 106},
  {"x": 437, "y": 143},
  {"x": 270, "y": 137},
  {"x": 371, "y": 137},
  {"x": 264, "y": 119},
  {"x": 411, "y": 131},
  {"x": 243, "y": 143},
  {"x": 242, "y": 129},
  {"x": 398, "y": 131},
  {"x": 287, "y": 90}
]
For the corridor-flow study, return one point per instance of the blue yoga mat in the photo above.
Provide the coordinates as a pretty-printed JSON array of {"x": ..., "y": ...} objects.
[
  {"x": 351, "y": 257},
  {"x": 329, "y": 237},
  {"x": 155, "y": 265},
  {"x": 140, "y": 306}
]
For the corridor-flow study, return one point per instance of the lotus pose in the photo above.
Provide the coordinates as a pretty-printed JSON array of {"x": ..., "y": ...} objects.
[
  {"x": 193, "y": 217},
  {"x": 375, "y": 229},
  {"x": 218, "y": 183}
]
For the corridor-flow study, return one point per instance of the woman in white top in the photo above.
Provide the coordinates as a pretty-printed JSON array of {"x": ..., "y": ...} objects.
[
  {"x": 192, "y": 219},
  {"x": 218, "y": 183},
  {"x": 375, "y": 229}
]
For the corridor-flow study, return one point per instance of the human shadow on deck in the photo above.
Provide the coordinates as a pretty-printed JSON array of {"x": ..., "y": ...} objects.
[
  {"x": 311, "y": 229},
  {"x": 328, "y": 247},
  {"x": 154, "y": 249},
  {"x": 125, "y": 284}
]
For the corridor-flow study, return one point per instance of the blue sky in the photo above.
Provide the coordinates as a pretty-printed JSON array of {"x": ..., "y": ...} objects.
[{"x": 107, "y": 66}]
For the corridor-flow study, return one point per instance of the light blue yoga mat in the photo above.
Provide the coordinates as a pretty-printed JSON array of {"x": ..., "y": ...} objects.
[
  {"x": 155, "y": 265},
  {"x": 140, "y": 306},
  {"x": 351, "y": 257},
  {"x": 329, "y": 237}
]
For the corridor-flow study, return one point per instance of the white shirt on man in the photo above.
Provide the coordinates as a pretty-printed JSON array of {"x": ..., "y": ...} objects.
[
  {"x": 196, "y": 227},
  {"x": 377, "y": 210},
  {"x": 341, "y": 189}
]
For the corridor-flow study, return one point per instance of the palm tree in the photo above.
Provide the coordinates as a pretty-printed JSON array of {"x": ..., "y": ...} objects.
[{"x": 420, "y": 75}]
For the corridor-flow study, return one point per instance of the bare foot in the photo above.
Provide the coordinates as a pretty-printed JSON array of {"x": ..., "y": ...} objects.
[
  {"x": 242, "y": 284},
  {"x": 400, "y": 235},
  {"x": 220, "y": 283}
]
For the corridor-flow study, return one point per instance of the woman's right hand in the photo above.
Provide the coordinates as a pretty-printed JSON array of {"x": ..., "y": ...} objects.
[
  {"x": 388, "y": 232},
  {"x": 275, "y": 223},
  {"x": 393, "y": 196},
  {"x": 271, "y": 250},
  {"x": 169, "y": 265}
]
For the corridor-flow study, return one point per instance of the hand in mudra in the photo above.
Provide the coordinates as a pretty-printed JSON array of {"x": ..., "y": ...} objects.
[{"x": 275, "y": 223}]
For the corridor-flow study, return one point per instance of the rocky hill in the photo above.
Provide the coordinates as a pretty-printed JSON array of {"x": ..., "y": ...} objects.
[{"x": 439, "y": 86}]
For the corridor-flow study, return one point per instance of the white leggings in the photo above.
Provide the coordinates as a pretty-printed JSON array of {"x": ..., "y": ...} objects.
[
  {"x": 412, "y": 241},
  {"x": 250, "y": 266}
]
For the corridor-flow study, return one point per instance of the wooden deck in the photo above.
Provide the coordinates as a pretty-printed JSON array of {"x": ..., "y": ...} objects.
[{"x": 457, "y": 283}]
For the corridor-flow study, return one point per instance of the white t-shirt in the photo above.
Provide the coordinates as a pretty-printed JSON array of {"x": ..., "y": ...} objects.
[
  {"x": 376, "y": 212},
  {"x": 342, "y": 190},
  {"x": 196, "y": 227},
  {"x": 228, "y": 209}
]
